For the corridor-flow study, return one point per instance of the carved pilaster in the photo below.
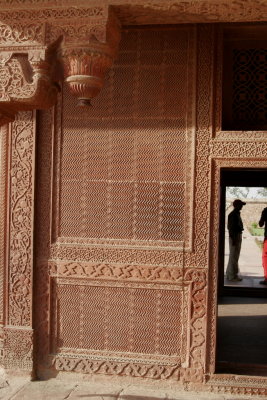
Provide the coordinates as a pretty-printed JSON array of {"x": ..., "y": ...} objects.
[
  {"x": 18, "y": 335},
  {"x": 197, "y": 279}
]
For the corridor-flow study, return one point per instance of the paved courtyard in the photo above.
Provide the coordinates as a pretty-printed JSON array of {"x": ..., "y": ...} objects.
[{"x": 250, "y": 262}]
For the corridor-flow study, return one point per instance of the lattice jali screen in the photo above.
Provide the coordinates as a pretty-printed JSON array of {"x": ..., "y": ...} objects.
[
  {"x": 126, "y": 164},
  {"x": 114, "y": 319},
  {"x": 244, "y": 83},
  {"x": 250, "y": 88}
]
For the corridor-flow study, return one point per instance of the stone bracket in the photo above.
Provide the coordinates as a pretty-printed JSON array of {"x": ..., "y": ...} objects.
[
  {"x": 35, "y": 57},
  {"x": 26, "y": 80}
]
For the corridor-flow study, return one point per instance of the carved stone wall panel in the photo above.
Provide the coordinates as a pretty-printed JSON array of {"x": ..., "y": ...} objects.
[
  {"x": 155, "y": 140},
  {"x": 199, "y": 256},
  {"x": 75, "y": 355},
  {"x": 21, "y": 220},
  {"x": 118, "y": 328}
]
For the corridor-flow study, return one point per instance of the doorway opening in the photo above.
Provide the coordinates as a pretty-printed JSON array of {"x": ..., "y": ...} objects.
[{"x": 242, "y": 305}]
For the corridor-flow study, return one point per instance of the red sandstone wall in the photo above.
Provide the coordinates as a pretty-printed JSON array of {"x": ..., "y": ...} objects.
[
  {"x": 127, "y": 214},
  {"x": 122, "y": 171}
]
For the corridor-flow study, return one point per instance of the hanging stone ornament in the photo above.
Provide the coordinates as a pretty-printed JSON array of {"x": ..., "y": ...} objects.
[{"x": 87, "y": 59}]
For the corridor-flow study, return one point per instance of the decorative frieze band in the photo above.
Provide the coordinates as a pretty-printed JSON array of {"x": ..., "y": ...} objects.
[
  {"x": 89, "y": 366},
  {"x": 239, "y": 149},
  {"x": 140, "y": 12},
  {"x": 120, "y": 272},
  {"x": 117, "y": 255}
]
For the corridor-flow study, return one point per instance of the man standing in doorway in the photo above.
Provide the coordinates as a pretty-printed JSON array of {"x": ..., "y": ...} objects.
[
  {"x": 235, "y": 228},
  {"x": 263, "y": 221}
]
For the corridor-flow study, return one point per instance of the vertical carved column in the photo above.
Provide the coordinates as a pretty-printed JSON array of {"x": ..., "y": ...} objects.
[
  {"x": 18, "y": 333},
  {"x": 3, "y": 228}
]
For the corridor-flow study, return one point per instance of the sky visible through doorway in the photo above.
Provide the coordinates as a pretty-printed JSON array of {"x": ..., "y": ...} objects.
[{"x": 244, "y": 192}]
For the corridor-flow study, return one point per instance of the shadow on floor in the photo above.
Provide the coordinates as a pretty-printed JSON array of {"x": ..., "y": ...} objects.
[{"x": 242, "y": 333}]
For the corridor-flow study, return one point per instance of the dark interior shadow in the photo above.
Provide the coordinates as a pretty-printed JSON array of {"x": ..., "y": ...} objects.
[
  {"x": 241, "y": 300},
  {"x": 242, "y": 339}
]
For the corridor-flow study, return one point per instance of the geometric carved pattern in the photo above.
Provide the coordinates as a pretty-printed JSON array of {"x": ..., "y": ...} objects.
[
  {"x": 114, "y": 319},
  {"x": 224, "y": 116},
  {"x": 129, "y": 169},
  {"x": 116, "y": 254},
  {"x": 198, "y": 320},
  {"x": 117, "y": 271},
  {"x": 244, "y": 385},
  {"x": 91, "y": 366},
  {"x": 18, "y": 348},
  {"x": 249, "y": 109}
]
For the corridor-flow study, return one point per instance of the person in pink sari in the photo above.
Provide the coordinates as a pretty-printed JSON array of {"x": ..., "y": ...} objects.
[{"x": 263, "y": 222}]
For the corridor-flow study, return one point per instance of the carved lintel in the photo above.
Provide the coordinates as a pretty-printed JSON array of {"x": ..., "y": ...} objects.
[
  {"x": 27, "y": 81},
  {"x": 87, "y": 60}
]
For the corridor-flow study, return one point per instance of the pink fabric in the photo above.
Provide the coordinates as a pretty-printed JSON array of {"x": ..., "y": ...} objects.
[{"x": 264, "y": 258}]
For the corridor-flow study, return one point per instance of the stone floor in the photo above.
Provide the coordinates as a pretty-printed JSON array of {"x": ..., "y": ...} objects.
[{"x": 19, "y": 388}]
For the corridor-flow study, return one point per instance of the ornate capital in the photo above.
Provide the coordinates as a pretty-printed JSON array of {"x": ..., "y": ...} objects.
[{"x": 88, "y": 52}]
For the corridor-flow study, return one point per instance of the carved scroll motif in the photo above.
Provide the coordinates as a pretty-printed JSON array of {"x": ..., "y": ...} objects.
[
  {"x": 90, "y": 366},
  {"x": 26, "y": 80},
  {"x": 21, "y": 221},
  {"x": 14, "y": 34},
  {"x": 198, "y": 282}
]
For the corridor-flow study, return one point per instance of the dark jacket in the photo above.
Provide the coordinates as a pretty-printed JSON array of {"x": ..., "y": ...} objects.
[
  {"x": 234, "y": 224},
  {"x": 263, "y": 221}
]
